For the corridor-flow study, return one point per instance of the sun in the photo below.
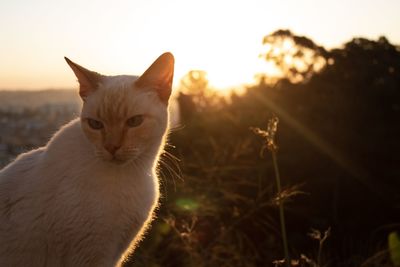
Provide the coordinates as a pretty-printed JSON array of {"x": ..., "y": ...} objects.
[
  {"x": 224, "y": 72},
  {"x": 225, "y": 76}
]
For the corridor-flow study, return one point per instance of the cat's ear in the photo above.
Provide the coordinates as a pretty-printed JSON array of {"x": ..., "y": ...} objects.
[
  {"x": 159, "y": 76},
  {"x": 88, "y": 80}
]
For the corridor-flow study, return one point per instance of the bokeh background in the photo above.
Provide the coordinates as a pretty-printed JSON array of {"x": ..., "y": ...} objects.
[{"x": 328, "y": 70}]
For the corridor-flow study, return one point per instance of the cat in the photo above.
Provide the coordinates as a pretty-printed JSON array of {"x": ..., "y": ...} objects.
[{"x": 88, "y": 196}]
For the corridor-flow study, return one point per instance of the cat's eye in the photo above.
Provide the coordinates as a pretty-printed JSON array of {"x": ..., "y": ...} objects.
[
  {"x": 95, "y": 124},
  {"x": 134, "y": 121}
]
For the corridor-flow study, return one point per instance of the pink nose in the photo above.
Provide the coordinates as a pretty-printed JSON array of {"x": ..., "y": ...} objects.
[{"x": 111, "y": 148}]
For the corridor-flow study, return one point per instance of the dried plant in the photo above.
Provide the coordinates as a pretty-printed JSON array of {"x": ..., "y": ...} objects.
[
  {"x": 270, "y": 144},
  {"x": 321, "y": 238}
]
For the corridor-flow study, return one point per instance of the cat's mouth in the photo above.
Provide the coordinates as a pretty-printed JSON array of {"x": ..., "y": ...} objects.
[
  {"x": 118, "y": 161},
  {"x": 121, "y": 159}
]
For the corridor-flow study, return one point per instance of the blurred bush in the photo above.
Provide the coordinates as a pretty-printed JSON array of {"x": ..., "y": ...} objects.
[{"x": 338, "y": 140}]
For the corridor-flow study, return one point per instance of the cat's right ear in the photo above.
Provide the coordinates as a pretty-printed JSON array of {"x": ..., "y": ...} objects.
[{"x": 88, "y": 80}]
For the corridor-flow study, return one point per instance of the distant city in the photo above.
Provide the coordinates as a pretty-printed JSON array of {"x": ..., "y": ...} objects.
[{"x": 28, "y": 119}]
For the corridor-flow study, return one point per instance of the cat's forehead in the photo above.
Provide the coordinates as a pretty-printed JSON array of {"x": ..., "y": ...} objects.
[
  {"x": 118, "y": 99},
  {"x": 109, "y": 82}
]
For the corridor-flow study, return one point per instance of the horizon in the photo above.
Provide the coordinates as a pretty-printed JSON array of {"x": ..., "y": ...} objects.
[{"x": 224, "y": 38}]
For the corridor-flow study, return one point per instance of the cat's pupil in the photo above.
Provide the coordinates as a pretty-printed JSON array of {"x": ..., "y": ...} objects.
[
  {"x": 95, "y": 124},
  {"x": 135, "y": 121}
]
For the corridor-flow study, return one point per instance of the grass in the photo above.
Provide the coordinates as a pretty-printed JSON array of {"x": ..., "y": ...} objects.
[
  {"x": 270, "y": 144},
  {"x": 229, "y": 206},
  {"x": 281, "y": 210}
]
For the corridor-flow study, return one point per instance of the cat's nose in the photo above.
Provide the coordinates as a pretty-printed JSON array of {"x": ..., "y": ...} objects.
[{"x": 111, "y": 148}]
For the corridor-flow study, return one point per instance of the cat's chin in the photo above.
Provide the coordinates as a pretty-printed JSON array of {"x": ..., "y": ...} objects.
[{"x": 118, "y": 161}]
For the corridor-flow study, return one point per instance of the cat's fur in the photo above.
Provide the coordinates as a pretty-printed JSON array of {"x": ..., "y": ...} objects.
[{"x": 86, "y": 198}]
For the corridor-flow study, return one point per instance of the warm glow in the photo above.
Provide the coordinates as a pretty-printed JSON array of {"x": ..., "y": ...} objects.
[
  {"x": 220, "y": 37},
  {"x": 224, "y": 73}
]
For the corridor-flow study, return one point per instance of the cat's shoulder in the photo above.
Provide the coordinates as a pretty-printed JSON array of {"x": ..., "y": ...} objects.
[
  {"x": 72, "y": 126},
  {"x": 68, "y": 133},
  {"x": 25, "y": 161}
]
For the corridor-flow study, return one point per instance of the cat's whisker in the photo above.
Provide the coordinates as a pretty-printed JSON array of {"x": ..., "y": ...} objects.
[
  {"x": 174, "y": 171},
  {"x": 174, "y": 161}
]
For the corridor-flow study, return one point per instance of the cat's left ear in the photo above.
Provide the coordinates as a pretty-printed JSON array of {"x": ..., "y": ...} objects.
[
  {"x": 88, "y": 80},
  {"x": 159, "y": 76}
]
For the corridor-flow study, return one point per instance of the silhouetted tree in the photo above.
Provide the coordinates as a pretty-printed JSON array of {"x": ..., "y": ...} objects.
[
  {"x": 296, "y": 58},
  {"x": 337, "y": 137}
]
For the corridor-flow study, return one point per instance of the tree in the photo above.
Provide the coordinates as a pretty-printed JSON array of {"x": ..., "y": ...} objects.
[{"x": 295, "y": 58}]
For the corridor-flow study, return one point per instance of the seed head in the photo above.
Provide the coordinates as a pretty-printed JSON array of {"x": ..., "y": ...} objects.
[{"x": 268, "y": 135}]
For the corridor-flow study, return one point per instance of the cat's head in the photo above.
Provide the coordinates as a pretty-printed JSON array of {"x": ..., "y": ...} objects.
[{"x": 125, "y": 117}]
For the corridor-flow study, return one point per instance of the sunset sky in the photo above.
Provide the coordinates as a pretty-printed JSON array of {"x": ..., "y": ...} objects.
[{"x": 124, "y": 37}]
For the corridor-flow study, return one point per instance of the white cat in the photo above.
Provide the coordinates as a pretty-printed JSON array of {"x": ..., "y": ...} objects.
[{"x": 86, "y": 198}]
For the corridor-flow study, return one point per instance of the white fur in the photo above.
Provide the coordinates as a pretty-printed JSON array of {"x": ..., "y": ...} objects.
[{"x": 60, "y": 205}]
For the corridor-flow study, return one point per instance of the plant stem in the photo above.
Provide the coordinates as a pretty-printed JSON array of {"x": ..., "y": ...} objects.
[
  {"x": 281, "y": 210},
  {"x": 319, "y": 253}
]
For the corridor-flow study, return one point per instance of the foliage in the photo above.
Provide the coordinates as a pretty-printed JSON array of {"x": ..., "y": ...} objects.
[
  {"x": 394, "y": 248},
  {"x": 296, "y": 58},
  {"x": 338, "y": 141}
]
